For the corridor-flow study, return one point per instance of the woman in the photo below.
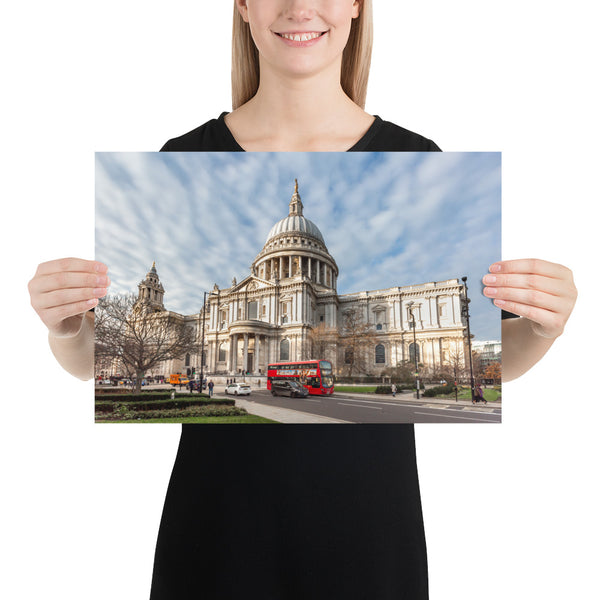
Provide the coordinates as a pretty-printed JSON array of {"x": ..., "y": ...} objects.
[{"x": 286, "y": 512}]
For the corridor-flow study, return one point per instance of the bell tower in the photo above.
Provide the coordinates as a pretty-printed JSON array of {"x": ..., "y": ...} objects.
[{"x": 151, "y": 291}]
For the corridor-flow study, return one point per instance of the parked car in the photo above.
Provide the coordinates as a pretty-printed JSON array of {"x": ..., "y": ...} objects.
[
  {"x": 238, "y": 389},
  {"x": 288, "y": 388}
]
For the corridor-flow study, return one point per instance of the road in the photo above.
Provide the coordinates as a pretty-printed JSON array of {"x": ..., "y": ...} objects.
[{"x": 369, "y": 409}]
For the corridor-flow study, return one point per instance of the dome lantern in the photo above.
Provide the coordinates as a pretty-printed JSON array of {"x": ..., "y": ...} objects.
[{"x": 296, "y": 203}]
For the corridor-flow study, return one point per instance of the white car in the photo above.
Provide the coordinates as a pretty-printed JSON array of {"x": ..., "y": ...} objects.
[{"x": 238, "y": 389}]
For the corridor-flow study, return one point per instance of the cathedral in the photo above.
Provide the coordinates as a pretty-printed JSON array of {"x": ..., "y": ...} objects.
[{"x": 291, "y": 290}]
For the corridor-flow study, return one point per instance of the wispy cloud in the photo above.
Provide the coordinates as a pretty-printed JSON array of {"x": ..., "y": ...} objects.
[{"x": 388, "y": 219}]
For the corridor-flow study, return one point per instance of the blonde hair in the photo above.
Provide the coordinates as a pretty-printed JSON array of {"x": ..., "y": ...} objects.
[{"x": 356, "y": 58}]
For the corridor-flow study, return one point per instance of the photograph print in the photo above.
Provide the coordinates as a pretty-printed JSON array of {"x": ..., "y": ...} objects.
[{"x": 297, "y": 288}]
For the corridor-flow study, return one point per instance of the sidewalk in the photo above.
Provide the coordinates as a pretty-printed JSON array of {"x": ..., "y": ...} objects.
[{"x": 283, "y": 415}]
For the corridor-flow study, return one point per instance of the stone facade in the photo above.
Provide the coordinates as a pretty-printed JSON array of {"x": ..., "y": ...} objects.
[{"x": 291, "y": 289}]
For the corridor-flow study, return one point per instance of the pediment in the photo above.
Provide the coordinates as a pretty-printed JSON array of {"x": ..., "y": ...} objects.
[{"x": 252, "y": 283}]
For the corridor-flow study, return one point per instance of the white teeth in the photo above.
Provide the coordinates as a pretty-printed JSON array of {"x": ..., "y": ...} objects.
[{"x": 300, "y": 37}]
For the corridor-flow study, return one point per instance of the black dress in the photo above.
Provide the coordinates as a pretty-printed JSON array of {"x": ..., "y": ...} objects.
[{"x": 279, "y": 512}]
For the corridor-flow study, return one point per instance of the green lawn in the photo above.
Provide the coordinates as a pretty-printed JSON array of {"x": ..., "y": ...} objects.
[
  {"x": 491, "y": 395},
  {"x": 358, "y": 389}
]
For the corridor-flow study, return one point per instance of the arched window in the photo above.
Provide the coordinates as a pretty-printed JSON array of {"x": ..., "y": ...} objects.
[
  {"x": 223, "y": 352},
  {"x": 284, "y": 350},
  {"x": 348, "y": 356},
  {"x": 380, "y": 354},
  {"x": 411, "y": 353}
]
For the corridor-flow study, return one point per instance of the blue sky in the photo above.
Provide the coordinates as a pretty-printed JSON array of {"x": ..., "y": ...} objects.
[{"x": 388, "y": 219}]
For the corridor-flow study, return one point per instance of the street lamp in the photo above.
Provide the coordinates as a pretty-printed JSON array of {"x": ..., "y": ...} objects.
[
  {"x": 465, "y": 313},
  {"x": 202, "y": 345},
  {"x": 413, "y": 325}
]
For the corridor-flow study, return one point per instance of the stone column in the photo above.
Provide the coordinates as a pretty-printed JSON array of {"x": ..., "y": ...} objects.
[
  {"x": 309, "y": 268},
  {"x": 318, "y": 271},
  {"x": 256, "y": 352},
  {"x": 245, "y": 365},
  {"x": 290, "y": 265},
  {"x": 234, "y": 353}
]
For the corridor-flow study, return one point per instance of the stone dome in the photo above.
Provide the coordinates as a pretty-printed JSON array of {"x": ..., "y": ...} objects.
[{"x": 296, "y": 222}]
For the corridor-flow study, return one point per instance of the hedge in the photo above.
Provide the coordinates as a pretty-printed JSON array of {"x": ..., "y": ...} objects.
[
  {"x": 105, "y": 407},
  {"x": 124, "y": 413},
  {"x": 387, "y": 389},
  {"x": 440, "y": 390},
  {"x": 148, "y": 397}
]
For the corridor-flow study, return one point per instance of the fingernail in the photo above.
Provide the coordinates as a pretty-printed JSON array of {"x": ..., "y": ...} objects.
[
  {"x": 99, "y": 292},
  {"x": 495, "y": 268},
  {"x": 92, "y": 302},
  {"x": 100, "y": 267},
  {"x": 499, "y": 302},
  {"x": 101, "y": 280},
  {"x": 490, "y": 291},
  {"x": 489, "y": 279}
]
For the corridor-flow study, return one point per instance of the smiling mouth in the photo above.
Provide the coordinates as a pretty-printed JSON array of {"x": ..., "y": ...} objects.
[{"x": 301, "y": 36}]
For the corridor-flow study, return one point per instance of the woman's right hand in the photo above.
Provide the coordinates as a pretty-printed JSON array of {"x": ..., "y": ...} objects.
[{"x": 63, "y": 291}]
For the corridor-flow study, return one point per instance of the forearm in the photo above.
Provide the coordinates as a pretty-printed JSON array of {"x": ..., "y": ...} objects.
[
  {"x": 521, "y": 347},
  {"x": 76, "y": 353}
]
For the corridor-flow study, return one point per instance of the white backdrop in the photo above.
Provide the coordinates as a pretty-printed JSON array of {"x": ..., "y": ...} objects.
[{"x": 510, "y": 511}]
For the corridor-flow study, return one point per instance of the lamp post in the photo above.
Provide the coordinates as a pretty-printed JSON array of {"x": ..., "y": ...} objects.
[
  {"x": 413, "y": 325},
  {"x": 202, "y": 345},
  {"x": 465, "y": 311}
]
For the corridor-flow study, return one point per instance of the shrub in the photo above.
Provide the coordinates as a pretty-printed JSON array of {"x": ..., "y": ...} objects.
[
  {"x": 121, "y": 413},
  {"x": 387, "y": 389},
  {"x": 104, "y": 406},
  {"x": 440, "y": 390}
]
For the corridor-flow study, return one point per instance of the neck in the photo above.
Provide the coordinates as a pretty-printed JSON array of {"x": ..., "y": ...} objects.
[
  {"x": 292, "y": 102},
  {"x": 299, "y": 113}
]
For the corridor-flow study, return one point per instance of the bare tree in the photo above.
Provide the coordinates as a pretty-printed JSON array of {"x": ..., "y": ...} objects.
[
  {"x": 356, "y": 341},
  {"x": 323, "y": 340},
  {"x": 140, "y": 339},
  {"x": 456, "y": 361}
]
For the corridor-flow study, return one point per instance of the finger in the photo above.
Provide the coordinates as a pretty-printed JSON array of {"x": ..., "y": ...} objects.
[
  {"x": 53, "y": 317},
  {"x": 552, "y": 323},
  {"x": 532, "y": 265},
  {"x": 65, "y": 280},
  {"x": 68, "y": 296},
  {"x": 532, "y": 298},
  {"x": 71, "y": 264},
  {"x": 526, "y": 282}
]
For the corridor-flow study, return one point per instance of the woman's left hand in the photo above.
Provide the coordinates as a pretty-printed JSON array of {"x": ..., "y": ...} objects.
[{"x": 540, "y": 291}]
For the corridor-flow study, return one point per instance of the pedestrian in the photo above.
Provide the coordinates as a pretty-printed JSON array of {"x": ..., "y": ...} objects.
[
  {"x": 479, "y": 393},
  {"x": 299, "y": 76},
  {"x": 394, "y": 389},
  {"x": 211, "y": 385}
]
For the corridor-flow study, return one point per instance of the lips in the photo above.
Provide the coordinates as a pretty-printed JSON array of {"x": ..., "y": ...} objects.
[
  {"x": 304, "y": 36},
  {"x": 300, "y": 39}
]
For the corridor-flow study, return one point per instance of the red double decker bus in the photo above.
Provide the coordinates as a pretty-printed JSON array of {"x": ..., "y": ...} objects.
[{"x": 315, "y": 375}]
